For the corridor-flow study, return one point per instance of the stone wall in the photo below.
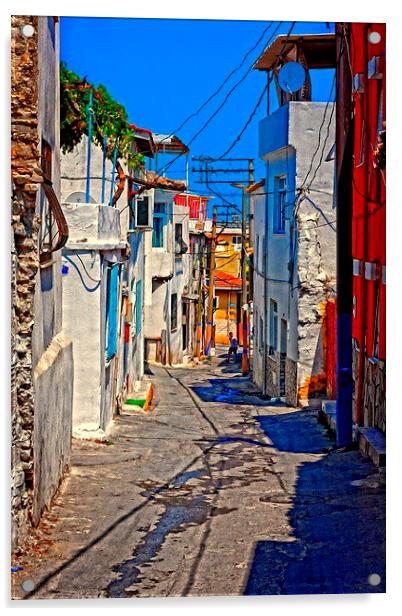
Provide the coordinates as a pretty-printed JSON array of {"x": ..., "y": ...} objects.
[
  {"x": 25, "y": 226},
  {"x": 41, "y": 355},
  {"x": 374, "y": 391}
]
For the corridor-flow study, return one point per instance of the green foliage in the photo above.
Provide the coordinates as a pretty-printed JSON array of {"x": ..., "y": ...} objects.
[{"x": 109, "y": 118}]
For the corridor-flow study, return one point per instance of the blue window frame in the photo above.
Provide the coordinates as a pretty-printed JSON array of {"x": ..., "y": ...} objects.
[
  {"x": 138, "y": 307},
  {"x": 280, "y": 204},
  {"x": 111, "y": 311},
  {"x": 159, "y": 221}
]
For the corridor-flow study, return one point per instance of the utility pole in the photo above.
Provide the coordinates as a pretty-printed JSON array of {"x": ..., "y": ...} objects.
[
  {"x": 198, "y": 327},
  {"x": 251, "y": 202},
  {"x": 244, "y": 357},
  {"x": 210, "y": 312}
]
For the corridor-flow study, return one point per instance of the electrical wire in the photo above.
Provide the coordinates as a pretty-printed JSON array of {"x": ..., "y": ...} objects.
[
  {"x": 219, "y": 89},
  {"x": 223, "y": 103},
  {"x": 260, "y": 99},
  {"x": 319, "y": 134}
]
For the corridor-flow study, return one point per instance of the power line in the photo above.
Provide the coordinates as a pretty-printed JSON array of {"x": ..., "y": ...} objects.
[
  {"x": 260, "y": 99},
  {"x": 226, "y": 98},
  {"x": 224, "y": 82}
]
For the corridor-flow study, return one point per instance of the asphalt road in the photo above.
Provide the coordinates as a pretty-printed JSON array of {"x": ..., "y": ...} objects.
[{"x": 213, "y": 492}]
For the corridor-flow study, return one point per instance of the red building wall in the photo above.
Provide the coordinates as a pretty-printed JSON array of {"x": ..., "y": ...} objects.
[
  {"x": 197, "y": 205},
  {"x": 368, "y": 224}
]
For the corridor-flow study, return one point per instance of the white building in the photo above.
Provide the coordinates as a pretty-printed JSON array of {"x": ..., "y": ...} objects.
[
  {"x": 294, "y": 247},
  {"x": 103, "y": 265},
  {"x": 169, "y": 312}
]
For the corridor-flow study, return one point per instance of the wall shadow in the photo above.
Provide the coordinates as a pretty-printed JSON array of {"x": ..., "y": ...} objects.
[{"x": 337, "y": 515}]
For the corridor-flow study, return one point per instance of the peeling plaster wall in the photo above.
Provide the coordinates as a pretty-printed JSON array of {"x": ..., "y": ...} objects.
[
  {"x": 288, "y": 139},
  {"x": 316, "y": 251},
  {"x": 41, "y": 363}
]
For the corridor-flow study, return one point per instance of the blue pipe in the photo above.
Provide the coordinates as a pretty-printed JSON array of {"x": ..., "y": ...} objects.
[
  {"x": 104, "y": 167},
  {"x": 113, "y": 169},
  {"x": 89, "y": 112}
]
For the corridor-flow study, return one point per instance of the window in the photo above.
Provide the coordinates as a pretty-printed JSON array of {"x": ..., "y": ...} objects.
[
  {"x": 111, "y": 311},
  {"x": 173, "y": 312},
  {"x": 143, "y": 212},
  {"x": 236, "y": 241},
  {"x": 279, "y": 204},
  {"x": 138, "y": 307},
  {"x": 178, "y": 238},
  {"x": 261, "y": 335},
  {"x": 158, "y": 233},
  {"x": 284, "y": 337},
  {"x": 273, "y": 326}
]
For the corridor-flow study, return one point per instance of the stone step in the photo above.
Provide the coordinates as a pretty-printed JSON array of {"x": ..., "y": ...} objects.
[
  {"x": 372, "y": 444},
  {"x": 327, "y": 414},
  {"x": 140, "y": 398}
]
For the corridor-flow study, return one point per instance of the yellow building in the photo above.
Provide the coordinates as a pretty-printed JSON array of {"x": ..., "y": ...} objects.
[{"x": 228, "y": 285}]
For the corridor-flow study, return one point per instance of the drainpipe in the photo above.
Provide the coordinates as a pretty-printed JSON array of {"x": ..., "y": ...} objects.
[
  {"x": 89, "y": 112},
  {"x": 116, "y": 143},
  {"x": 344, "y": 270}
]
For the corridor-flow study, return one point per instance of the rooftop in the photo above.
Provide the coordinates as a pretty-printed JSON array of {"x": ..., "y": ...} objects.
[{"x": 319, "y": 51}]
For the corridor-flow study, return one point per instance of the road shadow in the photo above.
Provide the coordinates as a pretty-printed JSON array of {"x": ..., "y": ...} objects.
[{"x": 337, "y": 516}]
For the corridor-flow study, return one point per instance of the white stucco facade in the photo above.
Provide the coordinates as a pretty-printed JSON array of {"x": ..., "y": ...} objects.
[
  {"x": 93, "y": 248},
  {"x": 118, "y": 240},
  {"x": 168, "y": 275},
  {"x": 295, "y": 266}
]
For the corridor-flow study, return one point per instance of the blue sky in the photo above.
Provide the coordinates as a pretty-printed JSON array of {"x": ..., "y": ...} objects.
[{"x": 161, "y": 70}]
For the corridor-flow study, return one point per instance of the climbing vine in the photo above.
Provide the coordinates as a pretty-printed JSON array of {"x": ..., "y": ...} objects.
[{"x": 109, "y": 118}]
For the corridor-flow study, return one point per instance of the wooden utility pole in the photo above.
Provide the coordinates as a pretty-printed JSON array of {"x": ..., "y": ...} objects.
[
  {"x": 198, "y": 327},
  {"x": 251, "y": 202},
  {"x": 210, "y": 312}
]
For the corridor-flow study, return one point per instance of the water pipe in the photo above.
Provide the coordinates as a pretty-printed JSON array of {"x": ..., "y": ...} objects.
[{"x": 89, "y": 124}]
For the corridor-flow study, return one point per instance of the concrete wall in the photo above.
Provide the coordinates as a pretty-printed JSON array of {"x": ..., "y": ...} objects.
[
  {"x": 82, "y": 321},
  {"x": 53, "y": 384}
]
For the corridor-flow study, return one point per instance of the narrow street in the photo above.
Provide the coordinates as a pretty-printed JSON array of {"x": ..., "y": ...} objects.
[{"x": 213, "y": 491}]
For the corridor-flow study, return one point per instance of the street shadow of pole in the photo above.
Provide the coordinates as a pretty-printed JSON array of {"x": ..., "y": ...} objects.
[{"x": 337, "y": 516}]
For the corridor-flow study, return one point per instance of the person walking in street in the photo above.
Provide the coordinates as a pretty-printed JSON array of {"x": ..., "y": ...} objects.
[{"x": 232, "y": 347}]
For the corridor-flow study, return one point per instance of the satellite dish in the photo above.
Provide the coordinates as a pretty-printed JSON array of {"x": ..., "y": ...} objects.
[
  {"x": 291, "y": 77},
  {"x": 79, "y": 197}
]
